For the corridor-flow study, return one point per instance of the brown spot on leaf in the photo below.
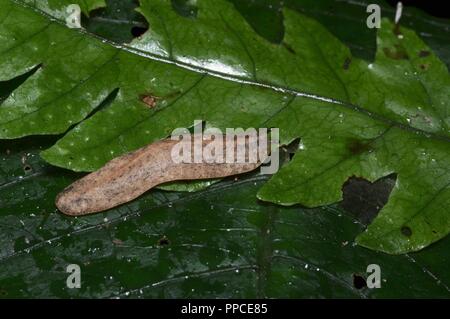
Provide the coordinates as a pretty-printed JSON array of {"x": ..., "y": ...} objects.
[
  {"x": 357, "y": 147},
  {"x": 347, "y": 63},
  {"x": 396, "y": 53},
  {"x": 424, "y": 53},
  {"x": 289, "y": 48},
  {"x": 406, "y": 231},
  {"x": 424, "y": 66},
  {"x": 149, "y": 100},
  {"x": 396, "y": 29}
]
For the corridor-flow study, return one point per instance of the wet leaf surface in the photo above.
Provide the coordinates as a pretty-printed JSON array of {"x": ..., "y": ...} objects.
[{"x": 219, "y": 242}]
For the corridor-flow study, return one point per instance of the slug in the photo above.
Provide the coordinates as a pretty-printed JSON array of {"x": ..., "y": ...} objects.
[{"x": 129, "y": 176}]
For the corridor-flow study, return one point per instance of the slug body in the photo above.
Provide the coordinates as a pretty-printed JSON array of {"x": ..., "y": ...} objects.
[{"x": 129, "y": 176}]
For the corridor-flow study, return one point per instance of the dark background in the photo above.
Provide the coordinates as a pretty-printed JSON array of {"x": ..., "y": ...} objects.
[{"x": 437, "y": 8}]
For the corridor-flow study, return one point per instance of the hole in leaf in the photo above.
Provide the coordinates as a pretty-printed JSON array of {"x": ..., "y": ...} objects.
[
  {"x": 293, "y": 146},
  {"x": 364, "y": 199},
  {"x": 287, "y": 152},
  {"x": 27, "y": 168},
  {"x": 359, "y": 282},
  {"x": 137, "y": 31},
  {"x": 164, "y": 241},
  {"x": 115, "y": 21},
  {"x": 406, "y": 231}
]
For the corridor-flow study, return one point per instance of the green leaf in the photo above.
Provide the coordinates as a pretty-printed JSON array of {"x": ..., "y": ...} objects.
[
  {"x": 119, "y": 21},
  {"x": 219, "y": 243},
  {"x": 188, "y": 186},
  {"x": 353, "y": 117},
  {"x": 110, "y": 269}
]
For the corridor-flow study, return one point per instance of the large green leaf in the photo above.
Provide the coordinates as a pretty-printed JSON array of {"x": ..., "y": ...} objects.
[
  {"x": 351, "y": 115},
  {"x": 230, "y": 246},
  {"x": 221, "y": 242}
]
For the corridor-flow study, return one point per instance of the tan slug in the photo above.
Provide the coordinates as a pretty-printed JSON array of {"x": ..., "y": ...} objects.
[{"x": 129, "y": 176}]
